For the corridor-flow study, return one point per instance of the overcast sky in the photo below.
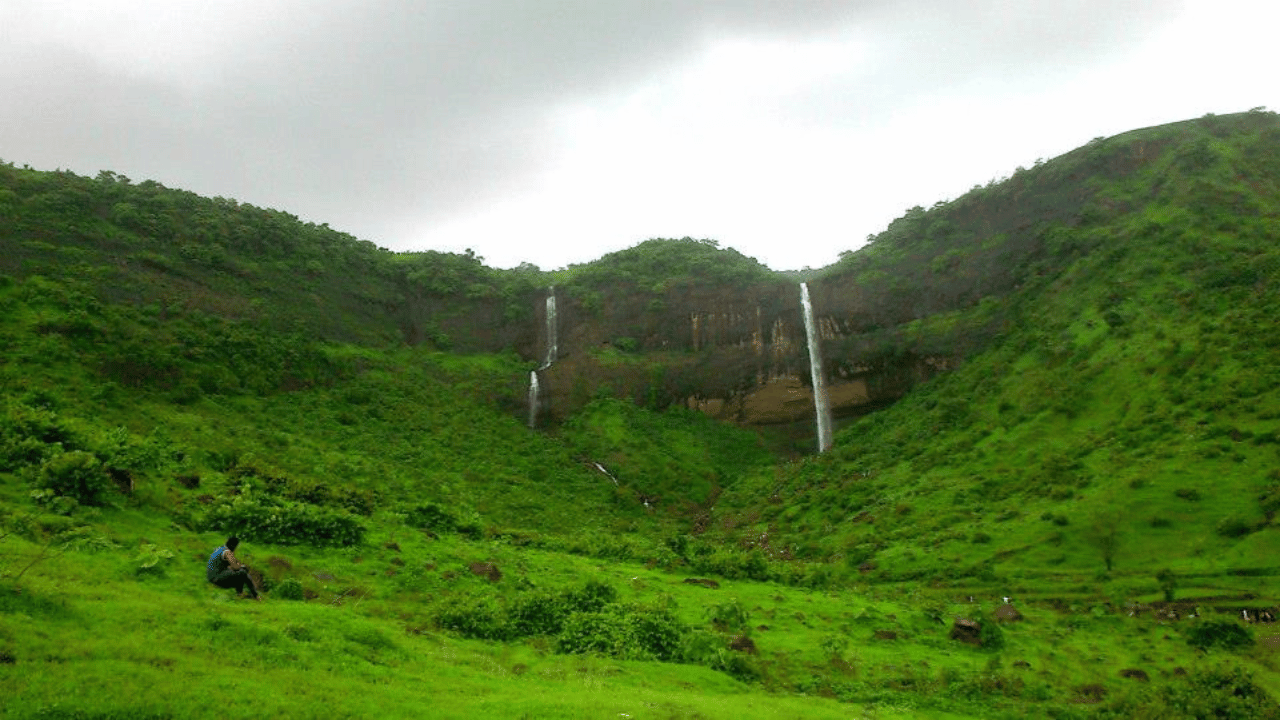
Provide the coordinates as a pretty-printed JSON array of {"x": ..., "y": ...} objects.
[{"x": 555, "y": 131}]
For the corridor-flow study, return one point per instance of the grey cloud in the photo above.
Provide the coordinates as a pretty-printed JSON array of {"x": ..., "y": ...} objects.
[{"x": 374, "y": 116}]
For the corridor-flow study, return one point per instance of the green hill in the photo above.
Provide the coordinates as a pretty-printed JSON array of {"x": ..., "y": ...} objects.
[{"x": 1096, "y": 438}]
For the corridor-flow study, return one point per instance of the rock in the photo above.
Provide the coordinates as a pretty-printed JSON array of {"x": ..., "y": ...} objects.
[
  {"x": 742, "y": 643},
  {"x": 967, "y": 631},
  {"x": 489, "y": 571},
  {"x": 1007, "y": 613},
  {"x": 1090, "y": 694},
  {"x": 1134, "y": 674},
  {"x": 704, "y": 582},
  {"x": 885, "y": 635}
]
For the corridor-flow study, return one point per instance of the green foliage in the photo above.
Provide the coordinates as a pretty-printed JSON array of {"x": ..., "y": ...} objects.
[
  {"x": 654, "y": 265},
  {"x": 288, "y": 589},
  {"x": 990, "y": 635},
  {"x": 433, "y": 516},
  {"x": 76, "y": 474},
  {"x": 283, "y": 521},
  {"x": 30, "y": 435},
  {"x": 729, "y": 616},
  {"x": 1225, "y": 634},
  {"x": 629, "y": 632}
]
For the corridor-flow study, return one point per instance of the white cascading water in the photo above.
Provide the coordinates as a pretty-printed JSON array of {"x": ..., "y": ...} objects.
[
  {"x": 533, "y": 399},
  {"x": 551, "y": 328},
  {"x": 820, "y": 406},
  {"x": 548, "y": 359}
]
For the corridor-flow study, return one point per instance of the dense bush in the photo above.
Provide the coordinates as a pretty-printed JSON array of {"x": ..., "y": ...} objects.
[
  {"x": 284, "y": 521},
  {"x": 631, "y": 632},
  {"x": 1226, "y": 634},
  {"x": 289, "y": 589},
  {"x": 76, "y": 474},
  {"x": 433, "y": 516},
  {"x": 528, "y": 615},
  {"x": 29, "y": 435}
]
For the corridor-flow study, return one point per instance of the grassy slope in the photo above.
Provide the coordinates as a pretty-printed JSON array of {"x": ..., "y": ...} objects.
[
  {"x": 1141, "y": 369},
  {"x": 990, "y": 480}
]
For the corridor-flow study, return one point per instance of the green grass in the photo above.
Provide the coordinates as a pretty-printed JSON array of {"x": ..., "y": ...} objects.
[{"x": 1108, "y": 433}]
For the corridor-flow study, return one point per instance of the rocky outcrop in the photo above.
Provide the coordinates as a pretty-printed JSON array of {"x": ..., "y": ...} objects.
[{"x": 737, "y": 354}]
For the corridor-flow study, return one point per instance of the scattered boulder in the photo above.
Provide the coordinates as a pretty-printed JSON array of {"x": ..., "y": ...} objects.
[
  {"x": 1007, "y": 613},
  {"x": 1022, "y": 664},
  {"x": 885, "y": 635},
  {"x": 967, "y": 631},
  {"x": 742, "y": 643},
  {"x": 489, "y": 571},
  {"x": 1090, "y": 694},
  {"x": 1134, "y": 674},
  {"x": 866, "y": 567},
  {"x": 704, "y": 582}
]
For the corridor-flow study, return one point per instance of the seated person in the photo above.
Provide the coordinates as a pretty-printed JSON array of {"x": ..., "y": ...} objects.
[{"x": 225, "y": 571}]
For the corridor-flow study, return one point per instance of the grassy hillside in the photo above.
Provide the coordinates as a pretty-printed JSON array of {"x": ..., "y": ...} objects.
[
  {"x": 1130, "y": 394},
  {"x": 1105, "y": 454}
]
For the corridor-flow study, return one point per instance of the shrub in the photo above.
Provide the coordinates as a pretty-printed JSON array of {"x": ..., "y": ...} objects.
[
  {"x": 1228, "y": 693},
  {"x": 1168, "y": 583},
  {"x": 76, "y": 474},
  {"x": 284, "y": 522},
  {"x": 1189, "y": 494},
  {"x": 531, "y": 614},
  {"x": 30, "y": 435},
  {"x": 602, "y": 633},
  {"x": 1225, "y": 634},
  {"x": 1233, "y": 527},
  {"x": 629, "y": 632},
  {"x": 729, "y": 616},
  {"x": 473, "y": 617},
  {"x": 289, "y": 589},
  {"x": 990, "y": 635},
  {"x": 432, "y": 516}
]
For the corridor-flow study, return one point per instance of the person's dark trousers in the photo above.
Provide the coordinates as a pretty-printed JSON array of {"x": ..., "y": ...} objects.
[{"x": 238, "y": 579}]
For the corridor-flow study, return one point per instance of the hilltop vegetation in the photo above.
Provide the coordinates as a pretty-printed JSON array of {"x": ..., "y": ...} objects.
[{"x": 1104, "y": 449}]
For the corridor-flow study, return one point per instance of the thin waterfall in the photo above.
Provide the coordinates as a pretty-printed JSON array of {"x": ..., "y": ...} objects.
[
  {"x": 533, "y": 399},
  {"x": 820, "y": 406},
  {"x": 548, "y": 358},
  {"x": 551, "y": 328}
]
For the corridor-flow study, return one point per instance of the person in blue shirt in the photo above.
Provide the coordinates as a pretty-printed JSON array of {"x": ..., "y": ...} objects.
[{"x": 225, "y": 571}]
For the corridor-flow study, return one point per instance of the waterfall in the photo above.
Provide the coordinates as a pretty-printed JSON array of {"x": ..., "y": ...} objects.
[
  {"x": 549, "y": 358},
  {"x": 551, "y": 328},
  {"x": 533, "y": 399},
  {"x": 820, "y": 407}
]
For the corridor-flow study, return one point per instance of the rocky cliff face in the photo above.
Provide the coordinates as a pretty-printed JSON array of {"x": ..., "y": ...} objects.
[{"x": 736, "y": 354}]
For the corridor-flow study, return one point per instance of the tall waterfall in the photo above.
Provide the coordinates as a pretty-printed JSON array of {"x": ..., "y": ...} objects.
[
  {"x": 820, "y": 406},
  {"x": 551, "y": 328},
  {"x": 548, "y": 359},
  {"x": 533, "y": 399}
]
